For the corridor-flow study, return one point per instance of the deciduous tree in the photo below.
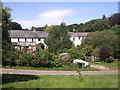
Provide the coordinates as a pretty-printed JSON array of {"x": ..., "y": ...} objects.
[{"x": 58, "y": 38}]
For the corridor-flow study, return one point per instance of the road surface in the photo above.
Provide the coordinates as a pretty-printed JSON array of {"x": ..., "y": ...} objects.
[{"x": 46, "y": 72}]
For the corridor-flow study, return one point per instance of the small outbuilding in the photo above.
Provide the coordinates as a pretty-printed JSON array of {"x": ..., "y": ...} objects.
[{"x": 64, "y": 56}]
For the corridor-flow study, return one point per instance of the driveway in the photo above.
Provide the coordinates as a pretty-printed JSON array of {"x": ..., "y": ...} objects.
[
  {"x": 45, "y": 72},
  {"x": 100, "y": 67}
]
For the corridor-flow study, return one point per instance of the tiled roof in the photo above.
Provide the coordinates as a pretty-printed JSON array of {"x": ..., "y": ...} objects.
[{"x": 44, "y": 34}]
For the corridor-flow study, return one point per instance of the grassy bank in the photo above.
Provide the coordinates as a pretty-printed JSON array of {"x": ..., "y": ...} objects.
[{"x": 59, "y": 81}]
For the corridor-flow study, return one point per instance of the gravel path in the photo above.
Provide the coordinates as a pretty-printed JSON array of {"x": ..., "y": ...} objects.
[{"x": 45, "y": 72}]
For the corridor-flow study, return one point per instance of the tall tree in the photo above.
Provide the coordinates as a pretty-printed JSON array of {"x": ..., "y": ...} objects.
[
  {"x": 5, "y": 23},
  {"x": 15, "y": 26},
  {"x": 96, "y": 25},
  {"x": 103, "y": 39},
  {"x": 58, "y": 38},
  {"x": 8, "y": 53}
]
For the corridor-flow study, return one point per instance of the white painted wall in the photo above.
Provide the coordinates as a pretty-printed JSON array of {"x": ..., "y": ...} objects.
[
  {"x": 14, "y": 39},
  {"x": 21, "y": 39},
  {"x": 28, "y": 39},
  {"x": 76, "y": 40},
  {"x": 41, "y": 40}
]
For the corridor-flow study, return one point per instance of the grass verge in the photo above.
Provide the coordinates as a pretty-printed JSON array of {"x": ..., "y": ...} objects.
[
  {"x": 59, "y": 81},
  {"x": 54, "y": 68}
]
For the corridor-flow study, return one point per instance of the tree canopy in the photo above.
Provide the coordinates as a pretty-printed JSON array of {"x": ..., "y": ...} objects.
[
  {"x": 58, "y": 38},
  {"x": 103, "y": 41},
  {"x": 15, "y": 26},
  {"x": 100, "y": 38},
  {"x": 96, "y": 25},
  {"x": 5, "y": 22}
]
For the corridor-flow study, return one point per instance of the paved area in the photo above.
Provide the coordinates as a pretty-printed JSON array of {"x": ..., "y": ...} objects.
[
  {"x": 45, "y": 72},
  {"x": 100, "y": 67}
]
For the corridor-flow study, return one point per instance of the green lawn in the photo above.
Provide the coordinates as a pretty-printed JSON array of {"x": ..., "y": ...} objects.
[
  {"x": 59, "y": 81},
  {"x": 113, "y": 65},
  {"x": 69, "y": 68}
]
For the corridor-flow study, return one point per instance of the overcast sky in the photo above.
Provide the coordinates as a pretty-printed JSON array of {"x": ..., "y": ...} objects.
[{"x": 39, "y": 14}]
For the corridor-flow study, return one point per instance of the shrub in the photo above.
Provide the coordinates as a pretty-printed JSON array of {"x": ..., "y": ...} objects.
[
  {"x": 109, "y": 59},
  {"x": 105, "y": 52},
  {"x": 9, "y": 55},
  {"x": 23, "y": 59},
  {"x": 63, "y": 50}
]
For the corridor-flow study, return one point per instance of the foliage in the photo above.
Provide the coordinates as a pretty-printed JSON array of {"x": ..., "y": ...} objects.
[
  {"x": 41, "y": 58},
  {"x": 72, "y": 26},
  {"x": 40, "y": 28},
  {"x": 15, "y": 26},
  {"x": 104, "y": 53},
  {"x": 63, "y": 51},
  {"x": 58, "y": 39},
  {"x": 86, "y": 49},
  {"x": 78, "y": 52},
  {"x": 23, "y": 59},
  {"x": 96, "y": 25},
  {"x": 49, "y": 28},
  {"x": 110, "y": 59},
  {"x": 101, "y": 38},
  {"x": 95, "y": 51},
  {"x": 9, "y": 55},
  {"x": 116, "y": 29},
  {"x": 104, "y": 43},
  {"x": 5, "y": 23},
  {"x": 91, "y": 26}
]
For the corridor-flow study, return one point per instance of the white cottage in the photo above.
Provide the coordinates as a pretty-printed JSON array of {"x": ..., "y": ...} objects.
[
  {"x": 30, "y": 38},
  {"x": 77, "y": 37}
]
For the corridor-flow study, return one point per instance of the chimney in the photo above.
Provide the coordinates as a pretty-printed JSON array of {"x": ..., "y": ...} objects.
[
  {"x": 74, "y": 30},
  {"x": 33, "y": 28}
]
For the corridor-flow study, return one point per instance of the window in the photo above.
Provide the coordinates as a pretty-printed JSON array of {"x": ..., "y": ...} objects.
[
  {"x": 39, "y": 39},
  {"x": 79, "y": 38},
  {"x": 32, "y": 39},
  {"x": 18, "y": 39},
  {"x": 25, "y": 39},
  {"x": 73, "y": 39}
]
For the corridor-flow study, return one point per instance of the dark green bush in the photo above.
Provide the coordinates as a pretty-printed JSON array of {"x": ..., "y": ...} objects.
[{"x": 9, "y": 55}]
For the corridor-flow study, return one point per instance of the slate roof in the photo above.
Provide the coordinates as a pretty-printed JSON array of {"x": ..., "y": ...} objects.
[
  {"x": 26, "y": 33},
  {"x": 39, "y": 34},
  {"x": 77, "y": 34}
]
